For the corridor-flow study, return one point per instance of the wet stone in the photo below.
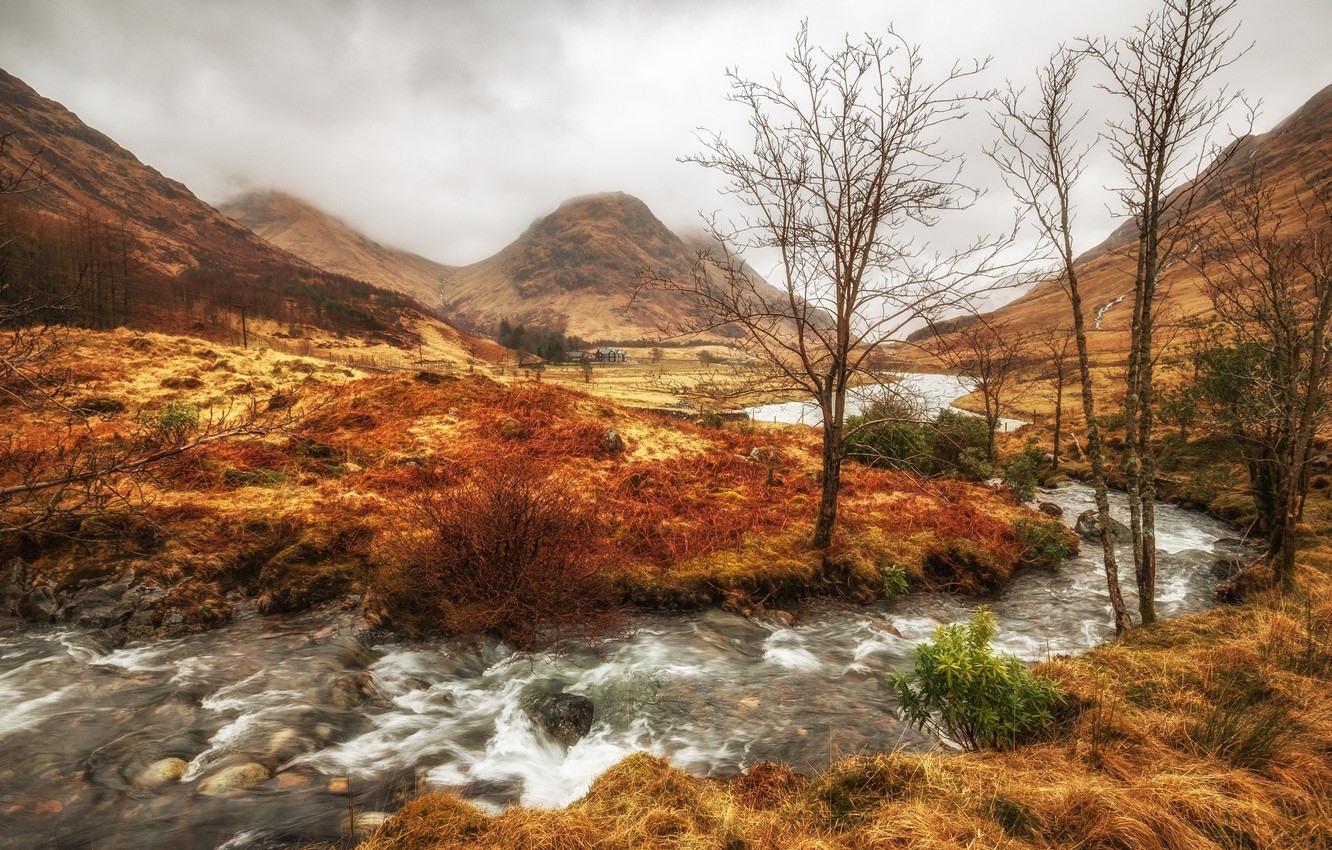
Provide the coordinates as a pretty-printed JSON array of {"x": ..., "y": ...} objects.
[
  {"x": 235, "y": 779},
  {"x": 566, "y": 717},
  {"x": 161, "y": 772}
]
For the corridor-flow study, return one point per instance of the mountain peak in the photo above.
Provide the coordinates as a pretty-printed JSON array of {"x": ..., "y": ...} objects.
[{"x": 297, "y": 226}]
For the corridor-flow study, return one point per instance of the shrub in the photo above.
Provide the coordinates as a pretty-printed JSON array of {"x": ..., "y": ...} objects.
[
  {"x": 965, "y": 692},
  {"x": 959, "y": 444},
  {"x": 1020, "y": 474},
  {"x": 1042, "y": 541},
  {"x": 508, "y": 552},
  {"x": 173, "y": 425},
  {"x": 895, "y": 445}
]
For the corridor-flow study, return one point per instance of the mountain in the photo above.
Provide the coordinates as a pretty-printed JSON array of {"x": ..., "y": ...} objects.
[
  {"x": 1294, "y": 154},
  {"x": 575, "y": 271},
  {"x": 327, "y": 243},
  {"x": 92, "y": 235},
  {"x": 84, "y": 174}
]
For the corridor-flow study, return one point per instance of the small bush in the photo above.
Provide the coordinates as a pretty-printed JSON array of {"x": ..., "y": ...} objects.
[
  {"x": 894, "y": 580},
  {"x": 508, "y": 552},
  {"x": 962, "y": 690},
  {"x": 959, "y": 444},
  {"x": 173, "y": 425},
  {"x": 894, "y": 445},
  {"x": 1020, "y": 474},
  {"x": 1042, "y": 541}
]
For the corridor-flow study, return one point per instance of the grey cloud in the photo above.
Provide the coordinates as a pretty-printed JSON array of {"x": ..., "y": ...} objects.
[{"x": 446, "y": 127}]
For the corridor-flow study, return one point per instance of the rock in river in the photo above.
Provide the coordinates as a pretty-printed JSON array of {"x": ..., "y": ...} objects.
[
  {"x": 235, "y": 779},
  {"x": 567, "y": 717}
]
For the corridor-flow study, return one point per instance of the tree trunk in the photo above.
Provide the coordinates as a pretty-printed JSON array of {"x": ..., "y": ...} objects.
[
  {"x": 1059, "y": 420},
  {"x": 1096, "y": 454},
  {"x": 832, "y": 480}
]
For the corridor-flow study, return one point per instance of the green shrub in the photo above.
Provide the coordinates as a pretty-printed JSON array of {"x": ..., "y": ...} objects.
[
  {"x": 1020, "y": 474},
  {"x": 174, "y": 424},
  {"x": 1041, "y": 541},
  {"x": 965, "y": 692},
  {"x": 895, "y": 445},
  {"x": 959, "y": 444},
  {"x": 894, "y": 580}
]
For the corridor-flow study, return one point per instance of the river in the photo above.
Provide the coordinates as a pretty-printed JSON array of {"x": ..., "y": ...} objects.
[
  {"x": 929, "y": 391},
  {"x": 83, "y": 728}
]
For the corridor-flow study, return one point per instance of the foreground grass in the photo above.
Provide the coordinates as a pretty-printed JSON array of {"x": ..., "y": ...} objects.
[{"x": 1210, "y": 731}]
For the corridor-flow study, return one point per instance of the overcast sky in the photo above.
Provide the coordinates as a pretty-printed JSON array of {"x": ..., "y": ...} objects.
[{"x": 447, "y": 127}]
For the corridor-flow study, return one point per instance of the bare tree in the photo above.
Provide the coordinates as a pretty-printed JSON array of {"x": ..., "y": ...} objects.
[
  {"x": 1058, "y": 343},
  {"x": 1042, "y": 161},
  {"x": 1164, "y": 76},
  {"x": 1269, "y": 276},
  {"x": 844, "y": 170},
  {"x": 992, "y": 357}
]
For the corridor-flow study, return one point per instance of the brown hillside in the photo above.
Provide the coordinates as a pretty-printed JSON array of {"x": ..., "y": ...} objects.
[
  {"x": 575, "y": 271},
  {"x": 114, "y": 242},
  {"x": 328, "y": 243},
  {"x": 85, "y": 173},
  {"x": 1295, "y": 153}
]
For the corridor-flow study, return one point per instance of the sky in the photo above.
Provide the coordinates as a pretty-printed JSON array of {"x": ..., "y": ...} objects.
[{"x": 446, "y": 127}]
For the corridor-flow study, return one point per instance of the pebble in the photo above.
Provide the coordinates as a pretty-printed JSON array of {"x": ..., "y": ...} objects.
[
  {"x": 161, "y": 772},
  {"x": 234, "y": 780}
]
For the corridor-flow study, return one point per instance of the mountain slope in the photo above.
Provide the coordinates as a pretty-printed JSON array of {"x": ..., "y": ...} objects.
[
  {"x": 1294, "y": 154},
  {"x": 329, "y": 244},
  {"x": 575, "y": 271},
  {"x": 104, "y": 240},
  {"x": 84, "y": 173}
]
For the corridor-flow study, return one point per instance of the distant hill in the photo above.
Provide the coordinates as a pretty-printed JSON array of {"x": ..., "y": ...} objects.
[
  {"x": 575, "y": 271},
  {"x": 1295, "y": 153},
  {"x": 110, "y": 241},
  {"x": 328, "y": 243}
]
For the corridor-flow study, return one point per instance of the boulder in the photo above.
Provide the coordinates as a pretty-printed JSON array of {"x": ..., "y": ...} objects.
[
  {"x": 566, "y": 717},
  {"x": 1050, "y": 509},
  {"x": 613, "y": 442},
  {"x": 102, "y": 607},
  {"x": 233, "y": 780},
  {"x": 776, "y": 617},
  {"x": 38, "y": 605},
  {"x": 161, "y": 772},
  {"x": 1089, "y": 526},
  {"x": 352, "y": 690}
]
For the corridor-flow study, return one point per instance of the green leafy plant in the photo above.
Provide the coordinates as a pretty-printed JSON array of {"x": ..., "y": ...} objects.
[
  {"x": 174, "y": 424},
  {"x": 1020, "y": 474},
  {"x": 959, "y": 444},
  {"x": 894, "y": 580},
  {"x": 1041, "y": 541},
  {"x": 961, "y": 689}
]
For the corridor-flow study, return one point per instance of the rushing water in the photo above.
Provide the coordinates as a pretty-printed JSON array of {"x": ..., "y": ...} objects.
[{"x": 80, "y": 726}]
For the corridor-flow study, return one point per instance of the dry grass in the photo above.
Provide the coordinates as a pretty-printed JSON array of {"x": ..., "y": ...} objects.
[{"x": 292, "y": 517}]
